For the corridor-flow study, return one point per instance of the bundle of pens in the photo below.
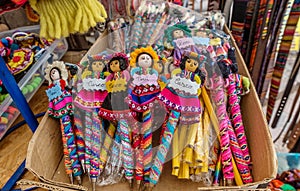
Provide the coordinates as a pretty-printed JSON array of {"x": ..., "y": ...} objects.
[{"x": 174, "y": 72}]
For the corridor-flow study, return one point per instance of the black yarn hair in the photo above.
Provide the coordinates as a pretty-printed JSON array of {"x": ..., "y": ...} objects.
[
  {"x": 231, "y": 56},
  {"x": 224, "y": 68},
  {"x": 182, "y": 63},
  {"x": 57, "y": 70},
  {"x": 123, "y": 63}
]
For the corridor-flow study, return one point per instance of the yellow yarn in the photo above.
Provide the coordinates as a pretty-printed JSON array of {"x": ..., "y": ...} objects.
[
  {"x": 64, "y": 22},
  {"x": 60, "y": 18}
]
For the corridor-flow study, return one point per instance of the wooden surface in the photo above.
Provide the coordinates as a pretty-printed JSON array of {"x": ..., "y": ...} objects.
[{"x": 13, "y": 148}]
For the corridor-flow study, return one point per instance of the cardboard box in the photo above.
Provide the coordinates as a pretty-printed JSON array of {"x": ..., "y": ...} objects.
[{"x": 45, "y": 153}]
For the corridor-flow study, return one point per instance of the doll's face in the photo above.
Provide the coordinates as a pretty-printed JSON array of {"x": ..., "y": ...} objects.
[
  {"x": 191, "y": 64},
  {"x": 115, "y": 66},
  {"x": 178, "y": 34},
  {"x": 54, "y": 74},
  {"x": 201, "y": 34},
  {"x": 158, "y": 67},
  {"x": 98, "y": 66},
  {"x": 144, "y": 61}
]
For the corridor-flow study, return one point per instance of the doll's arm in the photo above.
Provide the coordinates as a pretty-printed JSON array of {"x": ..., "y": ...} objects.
[
  {"x": 134, "y": 70},
  {"x": 108, "y": 78},
  {"x": 106, "y": 74},
  {"x": 126, "y": 75},
  {"x": 154, "y": 72},
  {"x": 198, "y": 81},
  {"x": 175, "y": 72},
  {"x": 62, "y": 84},
  {"x": 85, "y": 74}
]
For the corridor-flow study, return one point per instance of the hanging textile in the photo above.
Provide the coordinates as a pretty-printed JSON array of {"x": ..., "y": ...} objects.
[
  {"x": 259, "y": 27},
  {"x": 247, "y": 26},
  {"x": 272, "y": 9},
  {"x": 274, "y": 53},
  {"x": 282, "y": 56},
  {"x": 238, "y": 21},
  {"x": 271, "y": 42}
]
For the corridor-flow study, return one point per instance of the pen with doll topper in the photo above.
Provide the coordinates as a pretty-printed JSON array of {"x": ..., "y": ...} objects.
[
  {"x": 116, "y": 110},
  {"x": 145, "y": 89},
  {"x": 232, "y": 158},
  {"x": 238, "y": 141},
  {"x": 60, "y": 107},
  {"x": 89, "y": 99},
  {"x": 179, "y": 39},
  {"x": 180, "y": 97}
]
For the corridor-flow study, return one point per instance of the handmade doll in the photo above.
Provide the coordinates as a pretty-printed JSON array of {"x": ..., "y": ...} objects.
[
  {"x": 116, "y": 110},
  {"x": 60, "y": 106},
  {"x": 145, "y": 89},
  {"x": 180, "y": 97},
  {"x": 178, "y": 37},
  {"x": 160, "y": 68},
  {"x": 89, "y": 99}
]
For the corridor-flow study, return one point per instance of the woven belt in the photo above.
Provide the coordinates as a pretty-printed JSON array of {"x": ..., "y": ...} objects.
[
  {"x": 289, "y": 117},
  {"x": 273, "y": 56},
  {"x": 287, "y": 91},
  {"x": 259, "y": 24},
  {"x": 282, "y": 56},
  {"x": 279, "y": 10}
]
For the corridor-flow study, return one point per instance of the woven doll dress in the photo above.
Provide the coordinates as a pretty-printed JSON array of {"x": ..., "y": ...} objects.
[
  {"x": 181, "y": 94},
  {"x": 145, "y": 89},
  {"x": 93, "y": 92},
  {"x": 60, "y": 103},
  {"x": 114, "y": 106}
]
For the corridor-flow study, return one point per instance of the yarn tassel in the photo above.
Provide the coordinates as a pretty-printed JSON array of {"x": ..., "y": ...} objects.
[{"x": 79, "y": 15}]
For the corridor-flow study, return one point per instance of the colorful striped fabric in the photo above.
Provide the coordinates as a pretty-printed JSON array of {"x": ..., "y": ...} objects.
[
  {"x": 262, "y": 41},
  {"x": 247, "y": 26},
  {"x": 258, "y": 27},
  {"x": 238, "y": 20},
  {"x": 271, "y": 42},
  {"x": 274, "y": 52},
  {"x": 282, "y": 56},
  {"x": 147, "y": 144}
]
